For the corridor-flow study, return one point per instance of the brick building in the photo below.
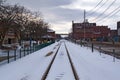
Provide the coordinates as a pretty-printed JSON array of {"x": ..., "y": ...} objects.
[
  {"x": 118, "y": 27},
  {"x": 89, "y": 31}
]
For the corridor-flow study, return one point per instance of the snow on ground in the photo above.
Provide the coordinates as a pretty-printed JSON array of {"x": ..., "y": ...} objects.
[
  {"x": 89, "y": 66},
  {"x": 61, "y": 68},
  {"x": 30, "y": 67},
  {"x": 92, "y": 66}
]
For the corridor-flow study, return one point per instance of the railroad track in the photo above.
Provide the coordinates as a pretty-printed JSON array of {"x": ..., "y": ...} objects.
[
  {"x": 48, "y": 68},
  {"x": 73, "y": 68},
  {"x": 45, "y": 75}
]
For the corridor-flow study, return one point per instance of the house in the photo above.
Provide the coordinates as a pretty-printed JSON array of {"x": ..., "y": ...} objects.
[
  {"x": 9, "y": 38},
  {"x": 50, "y": 36}
]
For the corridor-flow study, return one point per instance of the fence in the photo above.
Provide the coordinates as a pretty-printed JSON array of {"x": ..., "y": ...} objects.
[
  {"x": 103, "y": 47},
  {"x": 9, "y": 55},
  {"x": 42, "y": 45}
]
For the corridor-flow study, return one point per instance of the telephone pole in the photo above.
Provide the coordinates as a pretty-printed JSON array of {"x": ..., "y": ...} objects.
[{"x": 84, "y": 23}]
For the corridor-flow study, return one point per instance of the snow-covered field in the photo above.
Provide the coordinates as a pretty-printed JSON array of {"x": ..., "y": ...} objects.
[
  {"x": 30, "y": 67},
  {"x": 92, "y": 66},
  {"x": 89, "y": 66}
]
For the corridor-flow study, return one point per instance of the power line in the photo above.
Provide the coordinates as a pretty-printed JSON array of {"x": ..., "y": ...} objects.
[
  {"x": 98, "y": 8},
  {"x": 110, "y": 16},
  {"x": 111, "y": 13},
  {"x": 115, "y": 13},
  {"x": 96, "y": 5},
  {"x": 105, "y": 10}
]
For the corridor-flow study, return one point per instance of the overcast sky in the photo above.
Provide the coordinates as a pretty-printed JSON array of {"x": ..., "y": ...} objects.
[{"x": 60, "y": 13}]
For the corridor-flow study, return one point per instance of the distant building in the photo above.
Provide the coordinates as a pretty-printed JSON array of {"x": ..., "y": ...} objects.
[
  {"x": 89, "y": 31},
  {"x": 113, "y": 33},
  {"x": 58, "y": 36},
  {"x": 50, "y": 36},
  {"x": 118, "y": 28},
  {"x": 10, "y": 37},
  {"x": 51, "y": 33}
]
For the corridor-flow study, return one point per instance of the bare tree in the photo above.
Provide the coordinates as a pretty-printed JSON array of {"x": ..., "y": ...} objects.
[
  {"x": 10, "y": 18},
  {"x": 22, "y": 21}
]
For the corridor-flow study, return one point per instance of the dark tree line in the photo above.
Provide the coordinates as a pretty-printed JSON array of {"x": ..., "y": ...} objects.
[{"x": 25, "y": 23}]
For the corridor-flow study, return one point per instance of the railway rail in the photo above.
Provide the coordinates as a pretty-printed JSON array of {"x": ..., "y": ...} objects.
[
  {"x": 48, "y": 68},
  {"x": 73, "y": 68},
  {"x": 47, "y": 72}
]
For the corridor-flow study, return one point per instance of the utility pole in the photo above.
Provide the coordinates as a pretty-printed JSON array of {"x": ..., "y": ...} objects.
[
  {"x": 84, "y": 15},
  {"x": 84, "y": 23}
]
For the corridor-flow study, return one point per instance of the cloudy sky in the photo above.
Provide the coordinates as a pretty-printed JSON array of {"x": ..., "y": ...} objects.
[{"x": 60, "y": 13}]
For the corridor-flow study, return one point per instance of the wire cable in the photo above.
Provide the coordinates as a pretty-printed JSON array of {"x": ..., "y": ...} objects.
[
  {"x": 105, "y": 10},
  {"x": 112, "y": 13},
  {"x": 98, "y": 8}
]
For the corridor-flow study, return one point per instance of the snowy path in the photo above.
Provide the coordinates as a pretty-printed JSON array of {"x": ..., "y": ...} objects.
[
  {"x": 30, "y": 67},
  {"x": 89, "y": 66},
  {"x": 92, "y": 66},
  {"x": 61, "y": 68}
]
